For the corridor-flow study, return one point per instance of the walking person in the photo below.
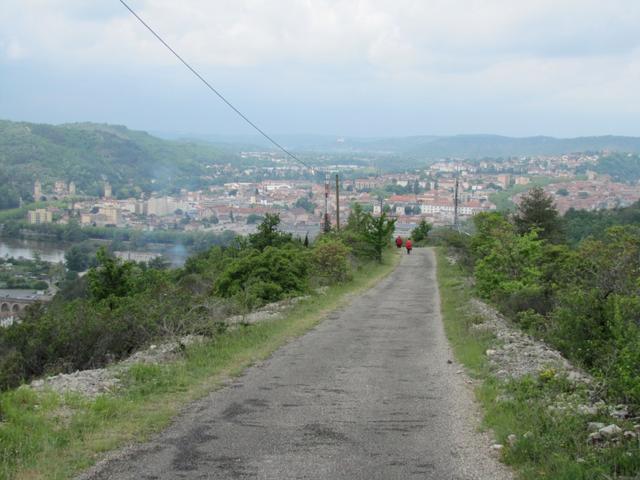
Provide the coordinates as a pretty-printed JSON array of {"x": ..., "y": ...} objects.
[
  {"x": 408, "y": 245},
  {"x": 399, "y": 242}
]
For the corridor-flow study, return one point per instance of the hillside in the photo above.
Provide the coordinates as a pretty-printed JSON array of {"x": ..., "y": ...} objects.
[
  {"x": 88, "y": 153},
  {"x": 477, "y": 146},
  {"x": 433, "y": 147}
]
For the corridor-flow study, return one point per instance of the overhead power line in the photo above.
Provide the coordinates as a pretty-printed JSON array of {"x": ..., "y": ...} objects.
[{"x": 210, "y": 87}]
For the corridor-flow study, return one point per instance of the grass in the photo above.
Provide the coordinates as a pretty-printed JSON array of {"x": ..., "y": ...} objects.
[
  {"x": 49, "y": 436},
  {"x": 550, "y": 444}
]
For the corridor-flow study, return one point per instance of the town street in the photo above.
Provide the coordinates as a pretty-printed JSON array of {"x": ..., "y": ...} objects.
[{"x": 368, "y": 394}]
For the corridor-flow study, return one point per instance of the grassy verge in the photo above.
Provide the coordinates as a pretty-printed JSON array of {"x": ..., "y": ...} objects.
[
  {"x": 551, "y": 443},
  {"x": 45, "y": 435}
]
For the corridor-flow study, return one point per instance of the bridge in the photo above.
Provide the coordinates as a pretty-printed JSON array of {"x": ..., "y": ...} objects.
[{"x": 13, "y": 301}]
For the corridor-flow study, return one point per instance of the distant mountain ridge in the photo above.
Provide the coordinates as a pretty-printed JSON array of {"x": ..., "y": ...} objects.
[
  {"x": 433, "y": 146},
  {"x": 135, "y": 161}
]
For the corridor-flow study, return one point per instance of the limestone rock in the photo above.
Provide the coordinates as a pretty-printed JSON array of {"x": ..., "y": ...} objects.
[
  {"x": 497, "y": 448},
  {"x": 610, "y": 431},
  {"x": 595, "y": 426},
  {"x": 620, "y": 412},
  {"x": 587, "y": 409},
  {"x": 595, "y": 437}
]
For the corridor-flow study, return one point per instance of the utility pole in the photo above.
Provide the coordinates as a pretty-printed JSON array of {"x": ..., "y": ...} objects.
[
  {"x": 327, "y": 225},
  {"x": 455, "y": 202},
  {"x": 337, "y": 202}
]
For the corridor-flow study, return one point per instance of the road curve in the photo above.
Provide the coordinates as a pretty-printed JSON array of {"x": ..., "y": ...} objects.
[{"x": 368, "y": 394}]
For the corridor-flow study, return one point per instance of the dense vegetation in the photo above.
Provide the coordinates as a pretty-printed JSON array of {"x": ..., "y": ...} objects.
[
  {"x": 581, "y": 224},
  {"x": 20, "y": 273},
  {"x": 121, "y": 305},
  {"x": 420, "y": 234},
  {"x": 583, "y": 298},
  {"x": 621, "y": 167},
  {"x": 88, "y": 154},
  {"x": 550, "y": 442}
]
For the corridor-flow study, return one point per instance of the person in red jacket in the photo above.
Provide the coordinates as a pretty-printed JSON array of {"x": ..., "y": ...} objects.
[
  {"x": 408, "y": 246},
  {"x": 399, "y": 242}
]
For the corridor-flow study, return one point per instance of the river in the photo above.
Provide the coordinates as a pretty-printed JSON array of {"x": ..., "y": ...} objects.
[
  {"x": 54, "y": 251},
  {"x": 48, "y": 251}
]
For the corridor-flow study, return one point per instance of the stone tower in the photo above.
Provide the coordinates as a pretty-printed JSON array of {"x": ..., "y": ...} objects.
[
  {"x": 72, "y": 188},
  {"x": 107, "y": 190}
]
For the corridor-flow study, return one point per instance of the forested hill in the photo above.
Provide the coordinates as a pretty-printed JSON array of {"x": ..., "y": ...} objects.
[
  {"x": 477, "y": 146},
  {"x": 434, "y": 147},
  {"x": 89, "y": 153}
]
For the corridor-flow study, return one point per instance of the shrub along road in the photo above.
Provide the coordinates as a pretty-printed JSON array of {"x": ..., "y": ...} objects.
[{"x": 369, "y": 393}]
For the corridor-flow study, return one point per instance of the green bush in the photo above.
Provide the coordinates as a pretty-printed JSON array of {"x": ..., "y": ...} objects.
[
  {"x": 120, "y": 306},
  {"x": 420, "y": 233},
  {"x": 367, "y": 235},
  {"x": 12, "y": 369},
  {"x": 585, "y": 300},
  {"x": 531, "y": 321},
  {"x": 265, "y": 276},
  {"x": 330, "y": 260}
]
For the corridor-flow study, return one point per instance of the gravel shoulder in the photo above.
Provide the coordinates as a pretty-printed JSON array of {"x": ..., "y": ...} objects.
[{"x": 368, "y": 394}]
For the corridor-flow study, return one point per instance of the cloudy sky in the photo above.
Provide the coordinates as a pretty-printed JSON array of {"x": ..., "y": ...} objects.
[{"x": 343, "y": 67}]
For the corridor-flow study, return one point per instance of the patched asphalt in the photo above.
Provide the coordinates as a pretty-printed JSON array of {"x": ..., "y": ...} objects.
[{"x": 367, "y": 394}]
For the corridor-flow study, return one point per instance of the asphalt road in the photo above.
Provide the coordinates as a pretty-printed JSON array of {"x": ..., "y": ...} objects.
[{"x": 368, "y": 394}]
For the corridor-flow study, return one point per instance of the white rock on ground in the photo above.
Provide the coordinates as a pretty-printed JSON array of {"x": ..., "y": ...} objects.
[
  {"x": 610, "y": 431},
  {"x": 92, "y": 383},
  {"x": 517, "y": 354},
  {"x": 595, "y": 426}
]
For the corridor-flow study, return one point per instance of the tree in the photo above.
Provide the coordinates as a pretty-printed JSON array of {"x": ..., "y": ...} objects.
[
  {"x": 267, "y": 276},
  {"x": 11, "y": 229},
  {"x": 357, "y": 219},
  {"x": 268, "y": 234},
  {"x": 253, "y": 218},
  {"x": 537, "y": 211},
  {"x": 305, "y": 203},
  {"x": 158, "y": 263},
  {"x": 9, "y": 197},
  {"x": 111, "y": 277},
  {"x": 421, "y": 231},
  {"x": 76, "y": 259},
  {"x": 378, "y": 232},
  {"x": 330, "y": 260}
]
